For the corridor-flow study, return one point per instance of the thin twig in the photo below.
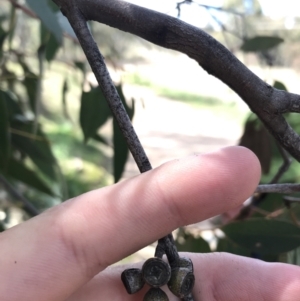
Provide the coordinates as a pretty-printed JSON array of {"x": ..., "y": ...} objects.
[
  {"x": 287, "y": 161},
  {"x": 99, "y": 68},
  {"x": 28, "y": 207},
  {"x": 23, "y": 8},
  {"x": 278, "y": 188}
]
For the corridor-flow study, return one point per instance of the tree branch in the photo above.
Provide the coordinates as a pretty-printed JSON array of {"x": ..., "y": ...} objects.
[
  {"x": 278, "y": 188},
  {"x": 166, "y": 31}
]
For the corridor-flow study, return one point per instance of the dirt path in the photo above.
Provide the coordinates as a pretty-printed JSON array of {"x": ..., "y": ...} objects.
[{"x": 170, "y": 129}]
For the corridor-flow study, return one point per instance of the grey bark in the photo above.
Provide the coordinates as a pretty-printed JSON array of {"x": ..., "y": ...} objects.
[{"x": 267, "y": 102}]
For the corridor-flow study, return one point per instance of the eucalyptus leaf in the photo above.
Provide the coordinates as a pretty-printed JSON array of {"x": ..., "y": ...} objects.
[
  {"x": 226, "y": 245},
  {"x": 31, "y": 84},
  {"x": 47, "y": 16},
  {"x": 4, "y": 131},
  {"x": 260, "y": 43},
  {"x": 264, "y": 236},
  {"x": 257, "y": 138},
  {"x": 192, "y": 244},
  {"x": 12, "y": 105},
  {"x": 18, "y": 171},
  {"x": 279, "y": 85},
  {"x": 3, "y": 35},
  {"x": 65, "y": 90},
  {"x": 101, "y": 139},
  {"x": 49, "y": 41},
  {"x": 37, "y": 148},
  {"x": 94, "y": 112}
]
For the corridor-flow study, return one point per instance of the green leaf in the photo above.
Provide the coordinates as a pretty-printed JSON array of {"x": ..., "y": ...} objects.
[
  {"x": 22, "y": 173},
  {"x": 37, "y": 148},
  {"x": 260, "y": 43},
  {"x": 264, "y": 236},
  {"x": 100, "y": 139},
  {"x": 3, "y": 35},
  {"x": 65, "y": 90},
  {"x": 52, "y": 5},
  {"x": 11, "y": 104},
  {"x": 4, "y": 131},
  {"x": 47, "y": 16},
  {"x": 279, "y": 85},
  {"x": 120, "y": 146},
  {"x": 1, "y": 227},
  {"x": 50, "y": 43},
  {"x": 31, "y": 83},
  {"x": 257, "y": 138},
  {"x": 94, "y": 112},
  {"x": 81, "y": 66},
  {"x": 192, "y": 244},
  {"x": 226, "y": 245}
]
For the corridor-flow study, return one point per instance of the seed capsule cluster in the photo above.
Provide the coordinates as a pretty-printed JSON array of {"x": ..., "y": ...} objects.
[{"x": 177, "y": 274}]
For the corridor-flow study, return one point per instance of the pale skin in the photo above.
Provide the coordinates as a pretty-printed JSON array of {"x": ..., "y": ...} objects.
[{"x": 64, "y": 253}]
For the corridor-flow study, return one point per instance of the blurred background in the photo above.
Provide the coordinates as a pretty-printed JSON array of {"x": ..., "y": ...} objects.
[{"x": 58, "y": 139}]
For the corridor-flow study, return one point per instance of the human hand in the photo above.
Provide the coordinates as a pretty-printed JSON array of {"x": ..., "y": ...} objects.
[{"x": 63, "y": 254}]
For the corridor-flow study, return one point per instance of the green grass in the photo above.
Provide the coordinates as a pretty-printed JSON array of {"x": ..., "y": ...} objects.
[{"x": 184, "y": 96}]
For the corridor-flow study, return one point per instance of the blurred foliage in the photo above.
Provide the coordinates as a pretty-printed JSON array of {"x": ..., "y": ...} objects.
[{"x": 42, "y": 152}]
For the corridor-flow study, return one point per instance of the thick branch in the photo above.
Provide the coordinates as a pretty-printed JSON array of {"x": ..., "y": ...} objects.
[{"x": 267, "y": 102}]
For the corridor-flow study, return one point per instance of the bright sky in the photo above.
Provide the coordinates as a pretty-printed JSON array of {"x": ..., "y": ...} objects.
[{"x": 190, "y": 13}]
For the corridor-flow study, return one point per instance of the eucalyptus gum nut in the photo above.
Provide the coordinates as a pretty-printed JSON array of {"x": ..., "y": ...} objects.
[
  {"x": 132, "y": 280},
  {"x": 156, "y": 294},
  {"x": 156, "y": 272},
  {"x": 183, "y": 262},
  {"x": 182, "y": 282}
]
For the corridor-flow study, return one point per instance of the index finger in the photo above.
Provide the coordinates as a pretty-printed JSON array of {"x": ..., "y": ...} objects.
[{"x": 52, "y": 255}]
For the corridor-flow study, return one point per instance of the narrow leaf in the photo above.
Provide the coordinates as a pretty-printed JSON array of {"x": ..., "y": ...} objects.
[
  {"x": 37, "y": 148},
  {"x": 4, "y": 131},
  {"x": 94, "y": 112},
  {"x": 264, "y": 236},
  {"x": 260, "y": 43},
  {"x": 65, "y": 90},
  {"x": 31, "y": 84},
  {"x": 47, "y": 16},
  {"x": 100, "y": 139},
  {"x": 18, "y": 171},
  {"x": 11, "y": 104},
  {"x": 50, "y": 43},
  {"x": 3, "y": 35}
]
